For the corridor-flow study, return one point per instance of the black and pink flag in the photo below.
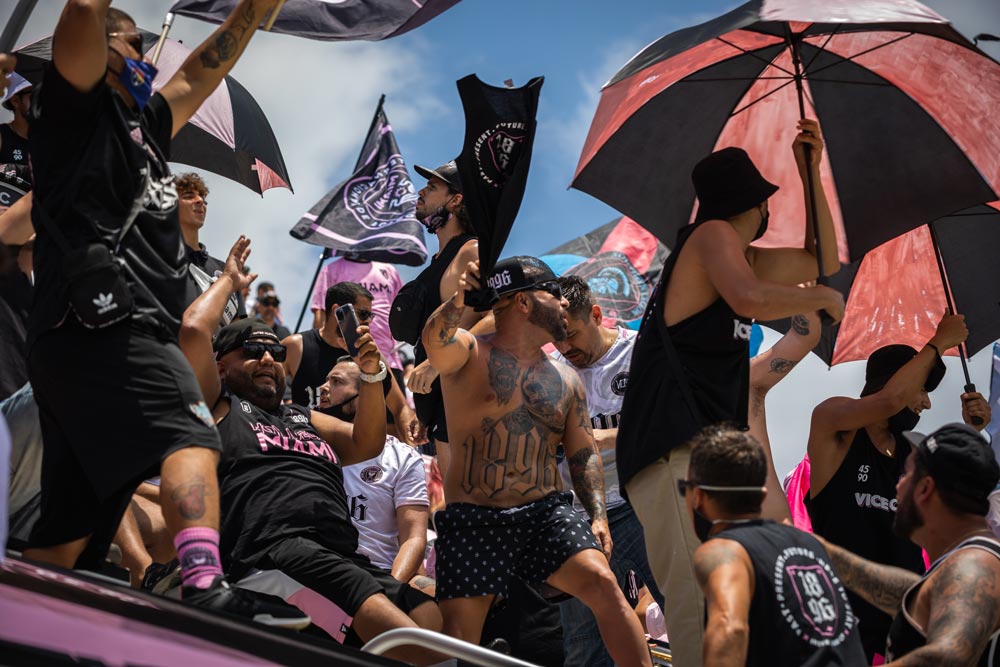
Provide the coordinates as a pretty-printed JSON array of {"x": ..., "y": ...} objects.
[
  {"x": 371, "y": 214},
  {"x": 493, "y": 165},
  {"x": 331, "y": 21}
]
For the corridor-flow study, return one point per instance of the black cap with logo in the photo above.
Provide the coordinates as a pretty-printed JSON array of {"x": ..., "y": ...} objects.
[
  {"x": 233, "y": 335},
  {"x": 958, "y": 459},
  {"x": 519, "y": 273},
  {"x": 447, "y": 172}
]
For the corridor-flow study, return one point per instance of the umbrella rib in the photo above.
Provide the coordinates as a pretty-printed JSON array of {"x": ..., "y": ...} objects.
[
  {"x": 858, "y": 55},
  {"x": 767, "y": 62},
  {"x": 821, "y": 48},
  {"x": 761, "y": 98},
  {"x": 736, "y": 78},
  {"x": 853, "y": 83}
]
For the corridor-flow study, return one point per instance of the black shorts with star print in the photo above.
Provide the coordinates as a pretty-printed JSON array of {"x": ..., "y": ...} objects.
[{"x": 480, "y": 548}]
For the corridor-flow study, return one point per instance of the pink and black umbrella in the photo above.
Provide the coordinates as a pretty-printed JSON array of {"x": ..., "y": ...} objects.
[
  {"x": 228, "y": 135},
  {"x": 908, "y": 108}
]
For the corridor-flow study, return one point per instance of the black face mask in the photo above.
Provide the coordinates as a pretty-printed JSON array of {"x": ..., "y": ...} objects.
[
  {"x": 702, "y": 525},
  {"x": 762, "y": 229},
  {"x": 338, "y": 410},
  {"x": 904, "y": 420}
]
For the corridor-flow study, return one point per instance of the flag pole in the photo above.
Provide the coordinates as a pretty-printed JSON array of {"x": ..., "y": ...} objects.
[
  {"x": 970, "y": 387},
  {"x": 328, "y": 252},
  {"x": 168, "y": 21},
  {"x": 22, "y": 10}
]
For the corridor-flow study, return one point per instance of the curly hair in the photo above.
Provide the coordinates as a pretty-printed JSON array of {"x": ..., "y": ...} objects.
[{"x": 190, "y": 182}]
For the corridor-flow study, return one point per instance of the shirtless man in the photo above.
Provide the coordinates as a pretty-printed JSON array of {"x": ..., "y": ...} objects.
[{"x": 509, "y": 407}]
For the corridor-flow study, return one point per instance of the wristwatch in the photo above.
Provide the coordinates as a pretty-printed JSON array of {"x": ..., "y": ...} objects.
[{"x": 375, "y": 377}]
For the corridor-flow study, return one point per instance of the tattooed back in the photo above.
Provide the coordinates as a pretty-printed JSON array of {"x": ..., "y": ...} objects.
[{"x": 506, "y": 417}]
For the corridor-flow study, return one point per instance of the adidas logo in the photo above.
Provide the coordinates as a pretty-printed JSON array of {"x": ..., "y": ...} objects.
[{"x": 105, "y": 302}]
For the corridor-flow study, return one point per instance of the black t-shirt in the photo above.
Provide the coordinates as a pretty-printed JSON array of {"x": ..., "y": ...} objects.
[
  {"x": 799, "y": 615},
  {"x": 713, "y": 350},
  {"x": 855, "y": 510},
  {"x": 278, "y": 479},
  {"x": 90, "y": 154},
  {"x": 202, "y": 272}
]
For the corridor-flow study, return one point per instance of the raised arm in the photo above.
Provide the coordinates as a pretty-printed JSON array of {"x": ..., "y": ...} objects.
[
  {"x": 964, "y": 602},
  {"x": 449, "y": 347},
  {"x": 719, "y": 249},
  {"x": 725, "y": 574},
  {"x": 449, "y": 285},
  {"x": 880, "y": 585},
  {"x": 202, "y": 318},
  {"x": 80, "y": 43},
  {"x": 792, "y": 266},
  {"x": 769, "y": 368},
  {"x": 210, "y": 62},
  {"x": 584, "y": 459},
  {"x": 365, "y": 437}
]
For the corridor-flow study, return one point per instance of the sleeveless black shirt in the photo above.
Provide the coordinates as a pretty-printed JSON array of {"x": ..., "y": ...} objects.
[
  {"x": 905, "y": 637},
  {"x": 713, "y": 349},
  {"x": 318, "y": 357},
  {"x": 278, "y": 479},
  {"x": 799, "y": 615},
  {"x": 855, "y": 510},
  {"x": 430, "y": 407},
  {"x": 15, "y": 172}
]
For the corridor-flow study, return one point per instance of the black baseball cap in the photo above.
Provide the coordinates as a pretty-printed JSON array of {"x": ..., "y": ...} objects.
[
  {"x": 518, "y": 273},
  {"x": 959, "y": 460},
  {"x": 886, "y": 362},
  {"x": 727, "y": 183},
  {"x": 448, "y": 172},
  {"x": 233, "y": 335}
]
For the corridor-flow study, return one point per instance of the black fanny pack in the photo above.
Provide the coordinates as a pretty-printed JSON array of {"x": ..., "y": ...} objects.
[
  {"x": 99, "y": 294},
  {"x": 406, "y": 319}
]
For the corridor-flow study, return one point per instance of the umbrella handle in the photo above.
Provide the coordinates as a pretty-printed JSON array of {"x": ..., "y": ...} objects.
[{"x": 971, "y": 388}]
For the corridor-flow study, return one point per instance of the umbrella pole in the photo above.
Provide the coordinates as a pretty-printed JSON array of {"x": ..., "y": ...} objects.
[
  {"x": 22, "y": 10},
  {"x": 950, "y": 305},
  {"x": 793, "y": 45},
  {"x": 305, "y": 304},
  {"x": 168, "y": 21}
]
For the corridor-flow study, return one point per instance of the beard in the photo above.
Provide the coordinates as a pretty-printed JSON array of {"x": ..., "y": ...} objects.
[
  {"x": 267, "y": 398},
  {"x": 548, "y": 318},
  {"x": 907, "y": 518}
]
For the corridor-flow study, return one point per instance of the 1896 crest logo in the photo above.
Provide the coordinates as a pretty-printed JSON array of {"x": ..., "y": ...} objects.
[
  {"x": 383, "y": 198},
  {"x": 497, "y": 151}
]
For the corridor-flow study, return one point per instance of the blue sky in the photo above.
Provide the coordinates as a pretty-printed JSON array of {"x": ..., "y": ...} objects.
[{"x": 319, "y": 97}]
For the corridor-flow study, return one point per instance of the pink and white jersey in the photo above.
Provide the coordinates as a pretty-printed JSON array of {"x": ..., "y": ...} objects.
[
  {"x": 375, "y": 488},
  {"x": 381, "y": 280}
]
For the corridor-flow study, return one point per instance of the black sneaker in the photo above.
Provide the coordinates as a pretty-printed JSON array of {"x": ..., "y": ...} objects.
[{"x": 262, "y": 608}]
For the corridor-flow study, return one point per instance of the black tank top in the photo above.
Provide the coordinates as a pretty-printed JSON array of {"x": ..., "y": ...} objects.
[
  {"x": 905, "y": 637},
  {"x": 713, "y": 350},
  {"x": 278, "y": 479},
  {"x": 799, "y": 615},
  {"x": 318, "y": 357},
  {"x": 430, "y": 407},
  {"x": 855, "y": 510},
  {"x": 15, "y": 173}
]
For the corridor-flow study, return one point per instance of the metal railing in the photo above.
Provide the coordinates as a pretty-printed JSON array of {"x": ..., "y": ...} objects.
[{"x": 442, "y": 643}]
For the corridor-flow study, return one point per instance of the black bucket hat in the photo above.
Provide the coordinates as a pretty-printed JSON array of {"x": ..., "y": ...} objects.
[
  {"x": 886, "y": 361},
  {"x": 728, "y": 183}
]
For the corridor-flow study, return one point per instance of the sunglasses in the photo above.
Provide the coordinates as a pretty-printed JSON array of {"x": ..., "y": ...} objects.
[
  {"x": 364, "y": 315},
  {"x": 684, "y": 484},
  {"x": 271, "y": 303},
  {"x": 133, "y": 39},
  {"x": 549, "y": 286},
  {"x": 256, "y": 350}
]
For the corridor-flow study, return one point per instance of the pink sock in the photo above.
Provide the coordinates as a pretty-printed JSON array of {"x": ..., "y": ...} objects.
[{"x": 198, "y": 553}]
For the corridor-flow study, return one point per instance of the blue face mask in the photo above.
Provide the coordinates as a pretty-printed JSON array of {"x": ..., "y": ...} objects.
[{"x": 137, "y": 77}]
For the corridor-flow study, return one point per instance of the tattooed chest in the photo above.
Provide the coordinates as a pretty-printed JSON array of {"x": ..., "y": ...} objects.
[{"x": 514, "y": 454}]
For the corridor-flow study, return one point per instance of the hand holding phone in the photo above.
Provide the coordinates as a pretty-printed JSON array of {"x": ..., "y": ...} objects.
[{"x": 347, "y": 320}]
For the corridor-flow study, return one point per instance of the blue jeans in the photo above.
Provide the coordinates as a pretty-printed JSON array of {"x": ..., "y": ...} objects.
[{"x": 581, "y": 638}]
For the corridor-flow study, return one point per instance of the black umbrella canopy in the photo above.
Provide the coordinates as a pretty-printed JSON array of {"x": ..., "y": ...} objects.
[
  {"x": 907, "y": 107},
  {"x": 229, "y": 135},
  {"x": 895, "y": 294}
]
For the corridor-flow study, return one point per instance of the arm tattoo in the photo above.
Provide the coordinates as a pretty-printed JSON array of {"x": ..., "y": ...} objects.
[
  {"x": 227, "y": 42},
  {"x": 190, "y": 498},
  {"x": 781, "y": 366},
  {"x": 707, "y": 561},
  {"x": 583, "y": 418},
  {"x": 880, "y": 585},
  {"x": 963, "y": 612},
  {"x": 588, "y": 481},
  {"x": 503, "y": 372},
  {"x": 450, "y": 319},
  {"x": 800, "y": 325}
]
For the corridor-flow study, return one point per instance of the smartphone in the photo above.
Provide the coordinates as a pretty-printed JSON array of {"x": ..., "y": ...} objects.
[{"x": 347, "y": 319}]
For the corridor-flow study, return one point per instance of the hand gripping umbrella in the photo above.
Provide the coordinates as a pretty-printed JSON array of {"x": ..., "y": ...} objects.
[
  {"x": 228, "y": 135},
  {"x": 907, "y": 107},
  {"x": 897, "y": 292}
]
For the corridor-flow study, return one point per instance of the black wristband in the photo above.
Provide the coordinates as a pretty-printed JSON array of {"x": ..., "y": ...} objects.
[{"x": 935, "y": 348}]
